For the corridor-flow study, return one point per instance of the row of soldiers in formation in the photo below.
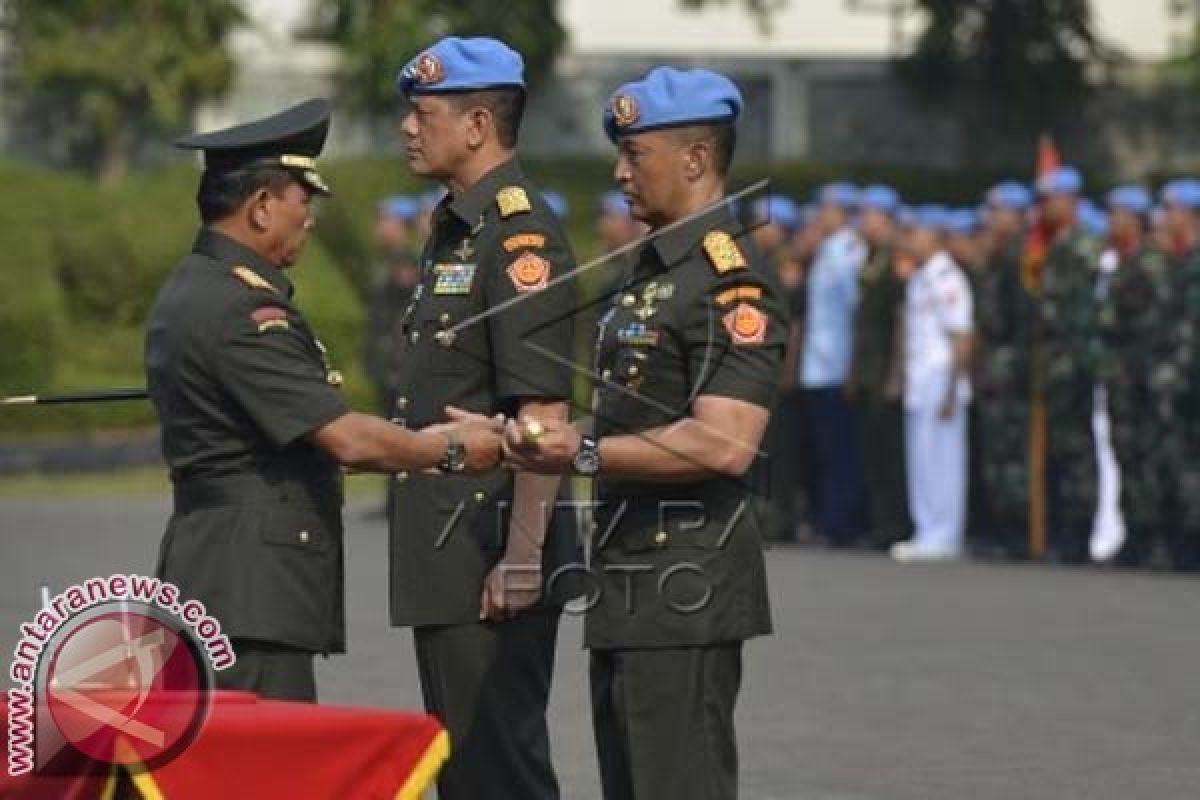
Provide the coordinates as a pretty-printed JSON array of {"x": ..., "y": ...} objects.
[{"x": 1084, "y": 311}]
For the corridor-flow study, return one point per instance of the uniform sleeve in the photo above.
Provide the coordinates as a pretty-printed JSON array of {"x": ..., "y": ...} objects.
[
  {"x": 274, "y": 371},
  {"x": 530, "y": 326},
  {"x": 734, "y": 337},
  {"x": 954, "y": 302}
]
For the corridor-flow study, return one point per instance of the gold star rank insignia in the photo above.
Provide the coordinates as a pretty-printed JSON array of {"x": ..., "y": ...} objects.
[
  {"x": 723, "y": 252},
  {"x": 512, "y": 200}
]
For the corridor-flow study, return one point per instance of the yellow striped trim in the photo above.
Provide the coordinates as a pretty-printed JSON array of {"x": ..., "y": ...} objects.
[
  {"x": 427, "y": 768},
  {"x": 299, "y": 162},
  {"x": 141, "y": 777}
]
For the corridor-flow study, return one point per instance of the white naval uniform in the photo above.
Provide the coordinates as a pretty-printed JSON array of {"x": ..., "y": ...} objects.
[{"x": 938, "y": 306}]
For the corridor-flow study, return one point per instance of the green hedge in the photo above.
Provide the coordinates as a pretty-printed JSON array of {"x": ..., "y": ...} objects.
[{"x": 81, "y": 265}]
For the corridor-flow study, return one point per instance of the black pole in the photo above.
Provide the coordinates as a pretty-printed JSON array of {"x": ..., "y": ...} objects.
[{"x": 100, "y": 396}]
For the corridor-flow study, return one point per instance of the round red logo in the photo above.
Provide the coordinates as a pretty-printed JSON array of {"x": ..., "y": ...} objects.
[{"x": 127, "y": 686}]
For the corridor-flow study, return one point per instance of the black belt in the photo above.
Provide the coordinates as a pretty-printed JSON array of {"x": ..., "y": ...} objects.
[{"x": 252, "y": 489}]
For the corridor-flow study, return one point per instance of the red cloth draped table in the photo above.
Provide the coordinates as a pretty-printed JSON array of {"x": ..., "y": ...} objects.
[{"x": 254, "y": 748}]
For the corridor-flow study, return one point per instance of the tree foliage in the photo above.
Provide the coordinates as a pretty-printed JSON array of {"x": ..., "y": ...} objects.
[
  {"x": 94, "y": 79},
  {"x": 377, "y": 37},
  {"x": 1028, "y": 57}
]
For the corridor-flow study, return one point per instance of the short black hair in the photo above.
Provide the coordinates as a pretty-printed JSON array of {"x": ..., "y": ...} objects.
[
  {"x": 222, "y": 192},
  {"x": 723, "y": 135},
  {"x": 507, "y": 107}
]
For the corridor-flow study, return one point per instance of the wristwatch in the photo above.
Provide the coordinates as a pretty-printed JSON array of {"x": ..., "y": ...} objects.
[
  {"x": 587, "y": 457},
  {"x": 455, "y": 460}
]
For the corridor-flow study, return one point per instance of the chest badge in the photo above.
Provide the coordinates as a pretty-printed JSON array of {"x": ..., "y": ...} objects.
[
  {"x": 453, "y": 279},
  {"x": 465, "y": 251},
  {"x": 636, "y": 334}
]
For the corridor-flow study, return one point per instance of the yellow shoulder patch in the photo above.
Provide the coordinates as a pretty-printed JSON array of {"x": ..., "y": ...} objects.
[
  {"x": 739, "y": 293},
  {"x": 253, "y": 279},
  {"x": 524, "y": 240},
  {"x": 723, "y": 252},
  {"x": 512, "y": 200}
]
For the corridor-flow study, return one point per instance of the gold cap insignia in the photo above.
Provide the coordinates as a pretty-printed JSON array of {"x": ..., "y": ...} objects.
[
  {"x": 723, "y": 252},
  {"x": 428, "y": 69},
  {"x": 625, "y": 110},
  {"x": 512, "y": 200},
  {"x": 253, "y": 279}
]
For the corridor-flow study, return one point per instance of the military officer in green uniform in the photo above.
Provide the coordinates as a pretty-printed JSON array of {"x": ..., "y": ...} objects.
[
  {"x": 688, "y": 362},
  {"x": 875, "y": 382},
  {"x": 254, "y": 425},
  {"x": 1070, "y": 356},
  {"x": 489, "y": 330},
  {"x": 1005, "y": 315}
]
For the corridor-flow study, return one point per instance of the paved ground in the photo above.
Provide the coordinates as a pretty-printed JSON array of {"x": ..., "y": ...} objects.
[{"x": 882, "y": 683}]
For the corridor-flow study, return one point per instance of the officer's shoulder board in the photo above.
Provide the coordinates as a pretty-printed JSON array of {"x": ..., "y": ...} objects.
[
  {"x": 253, "y": 279},
  {"x": 512, "y": 200},
  {"x": 723, "y": 252}
]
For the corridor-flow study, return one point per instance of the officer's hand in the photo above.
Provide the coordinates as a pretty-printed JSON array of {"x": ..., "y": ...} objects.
[
  {"x": 512, "y": 586},
  {"x": 543, "y": 446},
  {"x": 479, "y": 433}
]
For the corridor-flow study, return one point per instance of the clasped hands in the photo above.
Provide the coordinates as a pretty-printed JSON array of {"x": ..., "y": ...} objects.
[{"x": 546, "y": 447}]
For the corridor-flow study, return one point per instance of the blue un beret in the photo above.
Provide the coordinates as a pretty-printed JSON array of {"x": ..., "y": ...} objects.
[
  {"x": 880, "y": 198},
  {"x": 1182, "y": 192},
  {"x": 401, "y": 207},
  {"x": 558, "y": 204},
  {"x": 614, "y": 202},
  {"x": 459, "y": 65},
  {"x": 1133, "y": 199},
  {"x": 934, "y": 217},
  {"x": 1062, "y": 180},
  {"x": 1093, "y": 220},
  {"x": 962, "y": 221},
  {"x": 841, "y": 194},
  {"x": 1010, "y": 194},
  {"x": 778, "y": 209},
  {"x": 671, "y": 98}
]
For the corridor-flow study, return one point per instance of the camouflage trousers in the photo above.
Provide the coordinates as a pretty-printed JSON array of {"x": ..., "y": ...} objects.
[{"x": 1002, "y": 456}]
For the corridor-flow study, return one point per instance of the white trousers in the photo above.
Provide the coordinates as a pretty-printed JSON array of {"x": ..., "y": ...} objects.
[{"x": 936, "y": 455}]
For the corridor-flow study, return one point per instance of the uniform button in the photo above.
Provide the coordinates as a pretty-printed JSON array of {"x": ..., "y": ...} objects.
[
  {"x": 606, "y": 375},
  {"x": 412, "y": 337},
  {"x": 401, "y": 403},
  {"x": 401, "y": 476},
  {"x": 660, "y": 538},
  {"x": 480, "y": 497},
  {"x": 633, "y": 370},
  {"x": 444, "y": 338},
  {"x": 628, "y": 300},
  {"x": 444, "y": 319},
  {"x": 303, "y": 537}
]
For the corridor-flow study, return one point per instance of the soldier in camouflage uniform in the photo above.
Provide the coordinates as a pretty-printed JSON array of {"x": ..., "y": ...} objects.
[
  {"x": 1136, "y": 293},
  {"x": 875, "y": 381},
  {"x": 1177, "y": 380},
  {"x": 1068, "y": 362},
  {"x": 1004, "y": 317}
]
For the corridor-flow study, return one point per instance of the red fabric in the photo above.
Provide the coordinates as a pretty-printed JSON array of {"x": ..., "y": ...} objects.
[
  {"x": 1040, "y": 235},
  {"x": 257, "y": 748}
]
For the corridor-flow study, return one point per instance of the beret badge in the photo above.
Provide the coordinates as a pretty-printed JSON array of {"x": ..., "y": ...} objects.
[
  {"x": 625, "y": 110},
  {"x": 428, "y": 69}
]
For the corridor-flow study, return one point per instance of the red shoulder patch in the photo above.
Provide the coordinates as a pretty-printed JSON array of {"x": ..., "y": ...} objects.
[
  {"x": 269, "y": 318},
  {"x": 529, "y": 272},
  {"x": 746, "y": 324}
]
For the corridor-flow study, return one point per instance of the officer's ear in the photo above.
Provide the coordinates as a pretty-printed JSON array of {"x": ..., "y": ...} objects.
[
  {"x": 697, "y": 158},
  {"x": 478, "y": 121},
  {"x": 258, "y": 210}
]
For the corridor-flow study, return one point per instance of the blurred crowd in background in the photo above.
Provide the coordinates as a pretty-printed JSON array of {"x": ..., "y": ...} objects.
[{"x": 1015, "y": 379}]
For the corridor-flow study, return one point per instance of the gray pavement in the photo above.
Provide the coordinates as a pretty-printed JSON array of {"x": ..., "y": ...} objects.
[{"x": 882, "y": 682}]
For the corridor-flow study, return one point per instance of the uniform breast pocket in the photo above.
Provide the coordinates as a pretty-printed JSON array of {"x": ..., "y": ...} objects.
[
  {"x": 300, "y": 529},
  {"x": 669, "y": 525}
]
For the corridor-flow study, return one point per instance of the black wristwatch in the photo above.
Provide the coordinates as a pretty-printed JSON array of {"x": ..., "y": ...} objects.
[
  {"x": 455, "y": 460},
  {"x": 587, "y": 457}
]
